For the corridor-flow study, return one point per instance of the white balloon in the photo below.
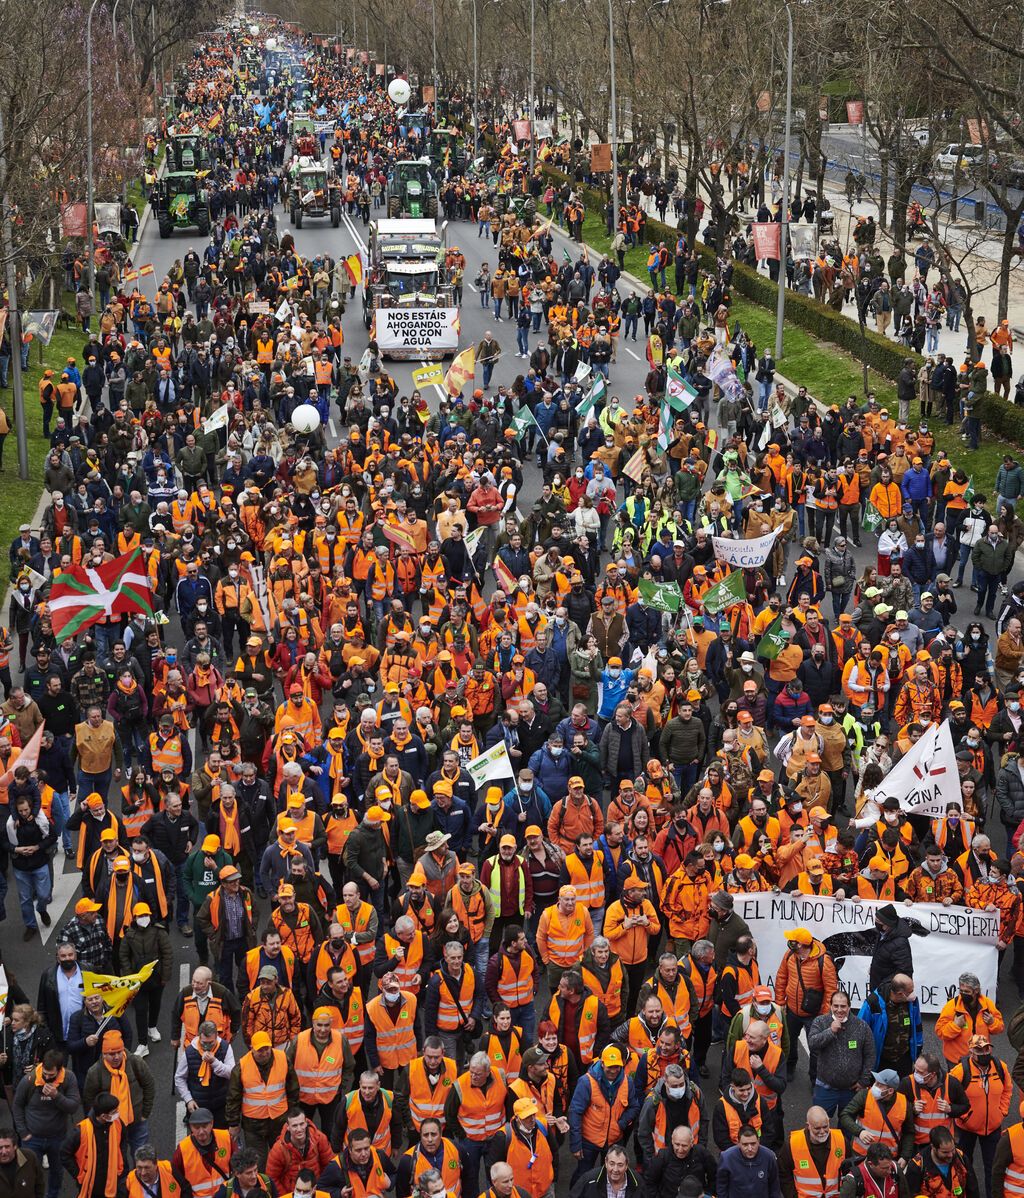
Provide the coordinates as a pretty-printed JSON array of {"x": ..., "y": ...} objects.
[
  {"x": 254, "y": 29},
  {"x": 399, "y": 91},
  {"x": 271, "y": 43},
  {"x": 305, "y": 419}
]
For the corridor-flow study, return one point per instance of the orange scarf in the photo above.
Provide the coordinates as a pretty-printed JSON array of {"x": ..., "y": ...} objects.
[
  {"x": 85, "y": 1158},
  {"x": 205, "y": 1069},
  {"x": 122, "y": 1091},
  {"x": 230, "y": 831},
  {"x": 41, "y": 1081}
]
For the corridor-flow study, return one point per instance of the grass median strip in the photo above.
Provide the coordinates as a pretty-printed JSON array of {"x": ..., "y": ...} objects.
[{"x": 829, "y": 373}]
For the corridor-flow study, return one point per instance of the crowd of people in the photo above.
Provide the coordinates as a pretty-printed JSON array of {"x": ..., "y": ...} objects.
[{"x": 420, "y": 977}]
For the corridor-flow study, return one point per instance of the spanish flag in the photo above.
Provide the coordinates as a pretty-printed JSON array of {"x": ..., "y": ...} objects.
[
  {"x": 354, "y": 269},
  {"x": 146, "y": 270},
  {"x": 461, "y": 371},
  {"x": 506, "y": 579},
  {"x": 214, "y": 121},
  {"x": 399, "y": 536}
]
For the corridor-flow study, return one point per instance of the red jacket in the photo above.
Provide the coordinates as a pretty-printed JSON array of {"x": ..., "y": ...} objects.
[{"x": 285, "y": 1163}]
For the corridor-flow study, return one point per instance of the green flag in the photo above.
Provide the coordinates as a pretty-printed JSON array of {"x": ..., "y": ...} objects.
[
  {"x": 969, "y": 493},
  {"x": 679, "y": 393},
  {"x": 665, "y": 422},
  {"x": 872, "y": 518},
  {"x": 661, "y": 596},
  {"x": 567, "y": 256},
  {"x": 598, "y": 390},
  {"x": 522, "y": 421},
  {"x": 773, "y": 641},
  {"x": 731, "y": 590}
]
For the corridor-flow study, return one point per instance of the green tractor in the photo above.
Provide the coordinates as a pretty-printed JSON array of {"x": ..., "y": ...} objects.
[
  {"x": 411, "y": 191},
  {"x": 524, "y": 207},
  {"x": 314, "y": 194},
  {"x": 180, "y": 201},
  {"x": 448, "y": 152},
  {"x": 188, "y": 152}
]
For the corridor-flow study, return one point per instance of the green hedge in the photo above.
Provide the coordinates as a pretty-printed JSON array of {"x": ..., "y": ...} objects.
[{"x": 882, "y": 355}]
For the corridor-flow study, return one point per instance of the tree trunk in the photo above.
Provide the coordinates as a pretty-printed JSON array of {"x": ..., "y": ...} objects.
[
  {"x": 1007, "y": 257},
  {"x": 883, "y": 190}
]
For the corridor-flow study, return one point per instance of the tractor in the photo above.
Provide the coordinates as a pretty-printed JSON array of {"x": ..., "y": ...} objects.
[
  {"x": 447, "y": 152},
  {"x": 188, "y": 152},
  {"x": 411, "y": 191},
  {"x": 180, "y": 201},
  {"x": 313, "y": 194}
]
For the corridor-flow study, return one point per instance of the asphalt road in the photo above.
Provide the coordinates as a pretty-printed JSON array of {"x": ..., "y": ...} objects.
[{"x": 27, "y": 961}]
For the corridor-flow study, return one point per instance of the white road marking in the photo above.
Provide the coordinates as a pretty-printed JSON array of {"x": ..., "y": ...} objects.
[
  {"x": 631, "y": 353},
  {"x": 65, "y": 887},
  {"x": 473, "y": 289},
  {"x": 330, "y": 425}
]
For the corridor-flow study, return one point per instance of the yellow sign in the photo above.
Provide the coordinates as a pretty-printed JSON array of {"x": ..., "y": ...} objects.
[
  {"x": 428, "y": 376},
  {"x": 116, "y": 992}
]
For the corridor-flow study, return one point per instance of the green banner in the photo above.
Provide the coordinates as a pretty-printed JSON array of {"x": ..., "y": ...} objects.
[{"x": 662, "y": 596}]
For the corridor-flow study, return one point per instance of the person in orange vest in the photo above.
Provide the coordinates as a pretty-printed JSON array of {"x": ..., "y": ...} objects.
[
  {"x": 359, "y": 1170},
  {"x": 324, "y": 1065},
  {"x": 527, "y": 1147},
  {"x": 755, "y": 1053},
  {"x": 392, "y": 1040},
  {"x": 476, "y": 1106},
  {"x": 603, "y": 1109},
  {"x": 202, "y": 1160},
  {"x": 431, "y": 1165},
  {"x": 371, "y": 1108},
  {"x": 811, "y": 1158},
  {"x": 262, "y": 1089},
  {"x": 988, "y": 1087},
  {"x": 93, "y": 1153}
]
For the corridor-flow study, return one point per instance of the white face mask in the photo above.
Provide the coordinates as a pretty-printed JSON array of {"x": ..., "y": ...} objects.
[
  {"x": 140, "y": 857},
  {"x": 143, "y": 921},
  {"x": 675, "y": 1091},
  {"x": 392, "y": 995}
]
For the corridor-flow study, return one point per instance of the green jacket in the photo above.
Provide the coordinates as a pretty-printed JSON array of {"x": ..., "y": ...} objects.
[
  {"x": 200, "y": 879},
  {"x": 993, "y": 559}
]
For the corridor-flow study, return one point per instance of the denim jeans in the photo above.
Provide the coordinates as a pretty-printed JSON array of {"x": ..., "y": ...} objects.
[
  {"x": 61, "y": 811},
  {"x": 181, "y": 901},
  {"x": 523, "y": 340},
  {"x": 830, "y": 1099},
  {"x": 35, "y": 890},
  {"x": 88, "y": 783},
  {"x": 525, "y": 1017},
  {"x": 488, "y": 370},
  {"x": 51, "y": 1150}
]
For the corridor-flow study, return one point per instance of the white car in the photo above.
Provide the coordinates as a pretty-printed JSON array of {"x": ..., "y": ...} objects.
[{"x": 962, "y": 155}]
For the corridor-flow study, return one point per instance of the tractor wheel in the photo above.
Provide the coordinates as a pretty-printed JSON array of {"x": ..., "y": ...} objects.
[
  {"x": 165, "y": 228},
  {"x": 432, "y": 207},
  {"x": 394, "y": 206},
  {"x": 335, "y": 217},
  {"x": 203, "y": 222},
  {"x": 298, "y": 218},
  {"x": 367, "y": 318}
]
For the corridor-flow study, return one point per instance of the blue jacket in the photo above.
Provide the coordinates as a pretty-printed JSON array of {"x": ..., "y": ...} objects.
[
  {"x": 568, "y": 729},
  {"x": 581, "y": 1100},
  {"x": 552, "y": 774},
  {"x": 614, "y": 691},
  {"x": 740, "y": 1178},
  {"x": 916, "y": 484},
  {"x": 536, "y": 806},
  {"x": 456, "y": 822},
  {"x": 875, "y": 1014}
]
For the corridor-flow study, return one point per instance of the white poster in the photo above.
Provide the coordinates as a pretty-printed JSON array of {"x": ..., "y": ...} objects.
[
  {"x": 959, "y": 939},
  {"x": 926, "y": 779},
  {"x": 746, "y": 554},
  {"x": 803, "y": 241},
  {"x": 417, "y": 328},
  {"x": 495, "y": 763}
]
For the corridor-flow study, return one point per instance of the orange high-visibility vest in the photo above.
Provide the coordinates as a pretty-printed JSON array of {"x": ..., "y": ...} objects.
[
  {"x": 319, "y": 1074},
  {"x": 264, "y": 1099},
  {"x": 396, "y": 1038},
  {"x": 809, "y": 1182},
  {"x": 426, "y": 1101}
]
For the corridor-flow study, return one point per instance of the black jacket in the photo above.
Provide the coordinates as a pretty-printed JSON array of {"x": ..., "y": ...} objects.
[
  {"x": 595, "y": 1185},
  {"x": 892, "y": 955},
  {"x": 666, "y": 1173}
]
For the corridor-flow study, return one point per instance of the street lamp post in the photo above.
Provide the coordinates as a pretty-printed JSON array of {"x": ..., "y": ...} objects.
[
  {"x": 476, "y": 86},
  {"x": 533, "y": 134},
  {"x": 90, "y": 193},
  {"x": 780, "y": 309},
  {"x": 614, "y": 117},
  {"x": 433, "y": 30},
  {"x": 113, "y": 22}
]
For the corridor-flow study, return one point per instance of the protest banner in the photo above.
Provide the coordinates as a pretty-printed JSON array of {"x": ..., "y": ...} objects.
[
  {"x": 495, "y": 763},
  {"x": 746, "y": 554},
  {"x": 803, "y": 241},
  {"x": 601, "y": 157},
  {"x": 432, "y": 329},
  {"x": 855, "y": 112},
  {"x": 926, "y": 778},
  {"x": 766, "y": 239},
  {"x": 959, "y": 935}
]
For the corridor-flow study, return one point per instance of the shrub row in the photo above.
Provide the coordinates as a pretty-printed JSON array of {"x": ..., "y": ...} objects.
[{"x": 882, "y": 355}]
